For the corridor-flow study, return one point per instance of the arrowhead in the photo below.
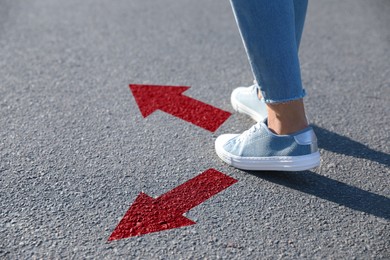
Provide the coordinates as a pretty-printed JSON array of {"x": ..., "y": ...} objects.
[
  {"x": 146, "y": 216},
  {"x": 153, "y": 97}
]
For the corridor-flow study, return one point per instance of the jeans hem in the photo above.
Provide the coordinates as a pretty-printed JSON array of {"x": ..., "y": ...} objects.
[{"x": 285, "y": 100}]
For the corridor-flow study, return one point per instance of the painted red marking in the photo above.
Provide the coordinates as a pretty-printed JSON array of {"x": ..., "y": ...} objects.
[
  {"x": 171, "y": 100},
  {"x": 147, "y": 215}
]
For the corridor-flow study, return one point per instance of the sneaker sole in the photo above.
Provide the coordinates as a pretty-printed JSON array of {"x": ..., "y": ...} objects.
[
  {"x": 240, "y": 108},
  {"x": 274, "y": 163}
]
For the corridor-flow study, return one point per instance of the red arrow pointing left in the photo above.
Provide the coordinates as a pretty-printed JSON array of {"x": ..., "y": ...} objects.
[
  {"x": 148, "y": 215},
  {"x": 171, "y": 100}
]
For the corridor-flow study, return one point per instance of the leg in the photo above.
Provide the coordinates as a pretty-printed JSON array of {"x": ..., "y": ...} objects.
[
  {"x": 271, "y": 33},
  {"x": 290, "y": 117},
  {"x": 268, "y": 32}
]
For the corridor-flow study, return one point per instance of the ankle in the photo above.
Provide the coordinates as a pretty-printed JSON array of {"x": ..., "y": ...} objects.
[{"x": 286, "y": 118}]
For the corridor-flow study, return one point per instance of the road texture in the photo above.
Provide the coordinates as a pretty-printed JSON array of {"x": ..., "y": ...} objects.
[{"x": 75, "y": 150}]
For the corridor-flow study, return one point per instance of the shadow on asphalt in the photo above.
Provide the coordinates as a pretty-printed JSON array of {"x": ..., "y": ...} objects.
[
  {"x": 343, "y": 145},
  {"x": 331, "y": 190}
]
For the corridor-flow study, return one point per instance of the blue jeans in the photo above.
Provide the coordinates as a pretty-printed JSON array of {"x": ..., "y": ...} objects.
[{"x": 271, "y": 31}]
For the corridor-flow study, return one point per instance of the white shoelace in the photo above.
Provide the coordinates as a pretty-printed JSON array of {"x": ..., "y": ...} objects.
[
  {"x": 254, "y": 89},
  {"x": 249, "y": 132}
]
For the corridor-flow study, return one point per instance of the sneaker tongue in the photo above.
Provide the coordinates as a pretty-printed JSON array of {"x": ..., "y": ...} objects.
[{"x": 264, "y": 124}]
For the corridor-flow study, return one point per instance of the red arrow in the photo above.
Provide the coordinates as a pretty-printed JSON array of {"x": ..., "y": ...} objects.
[
  {"x": 147, "y": 215},
  {"x": 170, "y": 100}
]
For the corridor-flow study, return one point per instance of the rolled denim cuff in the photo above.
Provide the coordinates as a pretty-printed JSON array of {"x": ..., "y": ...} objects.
[
  {"x": 283, "y": 100},
  {"x": 273, "y": 101}
]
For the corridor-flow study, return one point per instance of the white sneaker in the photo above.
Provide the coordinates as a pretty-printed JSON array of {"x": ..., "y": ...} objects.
[
  {"x": 260, "y": 149},
  {"x": 245, "y": 100}
]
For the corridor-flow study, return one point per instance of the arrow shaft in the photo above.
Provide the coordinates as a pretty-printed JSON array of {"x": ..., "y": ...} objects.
[
  {"x": 195, "y": 191},
  {"x": 196, "y": 112},
  {"x": 148, "y": 215}
]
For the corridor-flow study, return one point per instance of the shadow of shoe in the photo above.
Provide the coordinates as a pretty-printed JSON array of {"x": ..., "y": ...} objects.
[
  {"x": 343, "y": 145},
  {"x": 331, "y": 190}
]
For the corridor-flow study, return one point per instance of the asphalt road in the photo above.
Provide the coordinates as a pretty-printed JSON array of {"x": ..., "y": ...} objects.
[{"x": 75, "y": 150}]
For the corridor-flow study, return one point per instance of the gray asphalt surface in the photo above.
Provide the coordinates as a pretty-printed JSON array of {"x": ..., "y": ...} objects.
[{"x": 75, "y": 151}]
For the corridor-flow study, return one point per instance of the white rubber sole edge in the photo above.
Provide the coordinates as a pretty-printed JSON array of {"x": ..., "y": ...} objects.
[
  {"x": 275, "y": 163},
  {"x": 245, "y": 110}
]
